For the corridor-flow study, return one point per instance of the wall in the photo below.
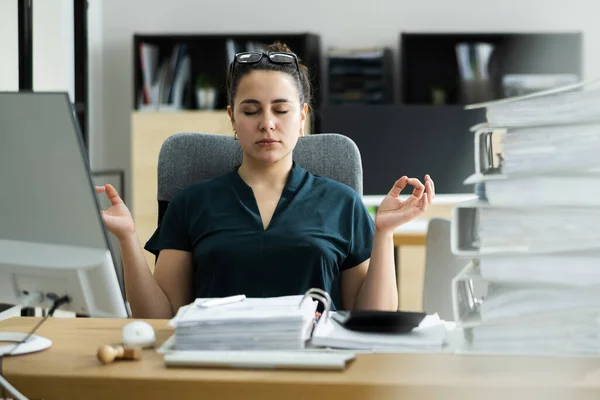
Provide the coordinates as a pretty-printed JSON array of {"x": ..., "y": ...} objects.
[
  {"x": 340, "y": 23},
  {"x": 53, "y": 45},
  {"x": 9, "y": 46}
]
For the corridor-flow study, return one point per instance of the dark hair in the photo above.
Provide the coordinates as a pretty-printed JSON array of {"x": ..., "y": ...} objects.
[{"x": 302, "y": 80}]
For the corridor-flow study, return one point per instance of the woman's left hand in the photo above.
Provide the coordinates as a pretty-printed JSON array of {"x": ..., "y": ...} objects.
[{"x": 394, "y": 212}]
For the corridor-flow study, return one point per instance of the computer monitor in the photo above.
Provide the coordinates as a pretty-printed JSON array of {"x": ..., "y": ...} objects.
[{"x": 53, "y": 241}]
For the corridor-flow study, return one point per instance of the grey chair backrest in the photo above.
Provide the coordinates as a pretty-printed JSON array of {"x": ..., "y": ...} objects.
[
  {"x": 187, "y": 158},
  {"x": 441, "y": 266}
]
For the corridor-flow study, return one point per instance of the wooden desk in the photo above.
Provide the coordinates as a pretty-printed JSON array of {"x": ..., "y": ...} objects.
[{"x": 69, "y": 370}]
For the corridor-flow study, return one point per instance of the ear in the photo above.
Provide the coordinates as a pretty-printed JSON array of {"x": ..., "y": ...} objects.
[
  {"x": 303, "y": 115},
  {"x": 230, "y": 113}
]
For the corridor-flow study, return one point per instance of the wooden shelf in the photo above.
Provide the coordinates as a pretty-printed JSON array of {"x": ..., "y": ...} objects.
[{"x": 149, "y": 130}]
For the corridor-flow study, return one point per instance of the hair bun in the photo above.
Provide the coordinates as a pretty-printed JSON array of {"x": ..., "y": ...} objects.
[{"x": 278, "y": 47}]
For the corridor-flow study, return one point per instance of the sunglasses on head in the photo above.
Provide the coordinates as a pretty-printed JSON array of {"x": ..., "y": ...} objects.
[{"x": 254, "y": 57}]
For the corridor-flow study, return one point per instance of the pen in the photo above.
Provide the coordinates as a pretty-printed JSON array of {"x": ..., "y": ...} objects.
[{"x": 221, "y": 301}]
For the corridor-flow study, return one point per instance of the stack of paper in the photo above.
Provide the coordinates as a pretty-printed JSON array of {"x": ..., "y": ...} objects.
[
  {"x": 275, "y": 323},
  {"x": 534, "y": 233},
  {"x": 572, "y": 268},
  {"x": 561, "y": 106},
  {"x": 429, "y": 336},
  {"x": 559, "y": 335}
]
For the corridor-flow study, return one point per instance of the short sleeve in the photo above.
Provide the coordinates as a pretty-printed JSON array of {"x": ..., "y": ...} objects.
[
  {"x": 173, "y": 232},
  {"x": 362, "y": 231}
]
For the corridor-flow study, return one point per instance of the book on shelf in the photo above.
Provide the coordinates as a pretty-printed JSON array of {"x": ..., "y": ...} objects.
[{"x": 165, "y": 84}]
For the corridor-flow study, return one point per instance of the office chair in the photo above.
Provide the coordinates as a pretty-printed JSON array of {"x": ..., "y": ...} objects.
[
  {"x": 187, "y": 158},
  {"x": 441, "y": 266}
]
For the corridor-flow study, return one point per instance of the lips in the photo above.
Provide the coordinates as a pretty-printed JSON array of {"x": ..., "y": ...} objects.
[{"x": 267, "y": 141}]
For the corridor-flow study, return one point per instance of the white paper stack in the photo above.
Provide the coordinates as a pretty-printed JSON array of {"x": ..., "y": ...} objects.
[
  {"x": 276, "y": 323},
  {"x": 534, "y": 234},
  {"x": 574, "y": 334}
]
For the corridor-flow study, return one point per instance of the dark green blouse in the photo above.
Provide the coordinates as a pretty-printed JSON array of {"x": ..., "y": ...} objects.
[{"x": 319, "y": 228}]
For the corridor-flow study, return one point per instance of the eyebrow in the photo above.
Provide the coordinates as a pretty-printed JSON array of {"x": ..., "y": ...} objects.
[{"x": 252, "y": 101}]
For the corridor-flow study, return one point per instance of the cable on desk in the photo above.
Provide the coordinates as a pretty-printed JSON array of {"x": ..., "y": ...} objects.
[{"x": 3, "y": 382}]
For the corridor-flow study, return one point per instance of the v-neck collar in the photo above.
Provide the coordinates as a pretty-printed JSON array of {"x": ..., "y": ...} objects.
[
  {"x": 246, "y": 194},
  {"x": 294, "y": 180}
]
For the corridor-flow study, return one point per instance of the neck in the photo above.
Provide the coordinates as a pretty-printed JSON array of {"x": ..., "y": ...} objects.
[{"x": 274, "y": 175}]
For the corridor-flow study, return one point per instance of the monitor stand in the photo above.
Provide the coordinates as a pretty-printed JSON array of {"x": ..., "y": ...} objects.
[{"x": 34, "y": 344}]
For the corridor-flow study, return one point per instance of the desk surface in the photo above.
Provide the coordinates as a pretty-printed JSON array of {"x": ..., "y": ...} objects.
[
  {"x": 440, "y": 199},
  {"x": 69, "y": 370}
]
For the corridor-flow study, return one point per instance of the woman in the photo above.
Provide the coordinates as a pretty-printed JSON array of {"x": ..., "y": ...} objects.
[{"x": 269, "y": 228}]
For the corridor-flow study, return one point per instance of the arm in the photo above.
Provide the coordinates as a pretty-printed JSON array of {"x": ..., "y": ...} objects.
[
  {"x": 372, "y": 284},
  {"x": 159, "y": 295},
  {"x": 150, "y": 296}
]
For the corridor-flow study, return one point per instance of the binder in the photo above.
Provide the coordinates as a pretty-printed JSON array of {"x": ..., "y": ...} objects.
[
  {"x": 429, "y": 336},
  {"x": 478, "y": 227},
  {"x": 533, "y": 233}
]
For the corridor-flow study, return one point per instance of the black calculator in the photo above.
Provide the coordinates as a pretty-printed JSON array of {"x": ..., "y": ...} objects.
[{"x": 379, "y": 321}]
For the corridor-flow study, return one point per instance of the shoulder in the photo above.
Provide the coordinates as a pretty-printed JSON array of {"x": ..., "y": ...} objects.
[{"x": 335, "y": 188}]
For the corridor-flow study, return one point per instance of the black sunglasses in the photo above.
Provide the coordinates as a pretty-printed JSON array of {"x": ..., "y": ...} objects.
[{"x": 254, "y": 57}]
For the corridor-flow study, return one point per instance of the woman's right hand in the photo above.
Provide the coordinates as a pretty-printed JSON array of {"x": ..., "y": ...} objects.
[{"x": 117, "y": 217}]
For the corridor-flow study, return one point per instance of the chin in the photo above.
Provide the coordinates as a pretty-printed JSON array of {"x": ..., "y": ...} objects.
[{"x": 269, "y": 157}]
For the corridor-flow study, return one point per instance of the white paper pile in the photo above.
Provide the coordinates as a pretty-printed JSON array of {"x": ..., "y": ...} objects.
[{"x": 274, "y": 323}]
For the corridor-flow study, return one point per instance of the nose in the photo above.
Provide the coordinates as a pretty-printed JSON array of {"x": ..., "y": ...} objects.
[{"x": 266, "y": 123}]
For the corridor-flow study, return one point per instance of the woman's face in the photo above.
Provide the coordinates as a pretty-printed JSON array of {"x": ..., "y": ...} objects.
[{"x": 267, "y": 116}]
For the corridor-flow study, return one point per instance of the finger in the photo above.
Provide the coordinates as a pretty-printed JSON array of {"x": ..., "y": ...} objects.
[
  {"x": 424, "y": 203},
  {"x": 399, "y": 185},
  {"x": 419, "y": 187},
  {"x": 428, "y": 177},
  {"x": 429, "y": 191},
  {"x": 113, "y": 196},
  {"x": 100, "y": 189}
]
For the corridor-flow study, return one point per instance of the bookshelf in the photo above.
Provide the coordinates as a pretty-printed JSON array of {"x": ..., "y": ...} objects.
[
  {"x": 360, "y": 76},
  {"x": 429, "y": 63},
  {"x": 209, "y": 58}
]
